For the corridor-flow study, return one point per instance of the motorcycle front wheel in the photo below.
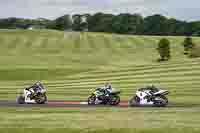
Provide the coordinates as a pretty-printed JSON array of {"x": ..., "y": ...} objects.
[
  {"x": 91, "y": 100},
  {"x": 115, "y": 100},
  {"x": 162, "y": 102}
]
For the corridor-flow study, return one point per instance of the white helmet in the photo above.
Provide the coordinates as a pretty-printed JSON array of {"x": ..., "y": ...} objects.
[
  {"x": 38, "y": 83},
  {"x": 108, "y": 85}
]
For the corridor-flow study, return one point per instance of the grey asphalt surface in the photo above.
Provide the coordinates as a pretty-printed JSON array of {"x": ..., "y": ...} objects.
[
  {"x": 53, "y": 104},
  {"x": 49, "y": 104}
]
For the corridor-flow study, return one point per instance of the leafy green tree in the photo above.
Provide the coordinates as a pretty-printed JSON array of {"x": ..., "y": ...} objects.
[
  {"x": 194, "y": 28},
  {"x": 188, "y": 45},
  {"x": 191, "y": 48},
  {"x": 164, "y": 49},
  {"x": 175, "y": 27},
  {"x": 101, "y": 22},
  {"x": 80, "y": 22},
  {"x": 127, "y": 23},
  {"x": 62, "y": 23},
  {"x": 124, "y": 23},
  {"x": 77, "y": 21},
  {"x": 155, "y": 25}
]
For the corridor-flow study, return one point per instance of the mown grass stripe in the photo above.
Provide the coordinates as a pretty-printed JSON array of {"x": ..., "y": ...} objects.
[
  {"x": 143, "y": 74},
  {"x": 147, "y": 67},
  {"x": 141, "y": 81}
]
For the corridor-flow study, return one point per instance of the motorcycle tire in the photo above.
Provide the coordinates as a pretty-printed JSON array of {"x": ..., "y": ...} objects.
[
  {"x": 134, "y": 101},
  {"x": 41, "y": 99},
  {"x": 116, "y": 100},
  {"x": 161, "y": 103},
  {"x": 21, "y": 100},
  {"x": 91, "y": 100}
]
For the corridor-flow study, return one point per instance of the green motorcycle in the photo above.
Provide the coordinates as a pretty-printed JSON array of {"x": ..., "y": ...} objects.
[{"x": 99, "y": 96}]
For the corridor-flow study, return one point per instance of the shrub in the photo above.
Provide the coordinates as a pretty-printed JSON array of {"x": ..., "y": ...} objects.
[
  {"x": 164, "y": 49},
  {"x": 188, "y": 45}
]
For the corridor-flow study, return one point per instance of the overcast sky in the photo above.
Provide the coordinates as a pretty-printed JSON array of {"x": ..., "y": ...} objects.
[{"x": 180, "y": 9}]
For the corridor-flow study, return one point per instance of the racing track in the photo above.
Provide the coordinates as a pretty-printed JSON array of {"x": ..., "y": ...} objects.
[
  {"x": 64, "y": 104},
  {"x": 55, "y": 104}
]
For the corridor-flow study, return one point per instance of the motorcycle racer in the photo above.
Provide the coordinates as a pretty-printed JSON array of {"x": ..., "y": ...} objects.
[
  {"x": 33, "y": 94},
  {"x": 108, "y": 89},
  {"x": 104, "y": 95},
  {"x": 35, "y": 87}
]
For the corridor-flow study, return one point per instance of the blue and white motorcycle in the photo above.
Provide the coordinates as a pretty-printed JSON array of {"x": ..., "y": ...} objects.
[
  {"x": 33, "y": 95},
  {"x": 150, "y": 96}
]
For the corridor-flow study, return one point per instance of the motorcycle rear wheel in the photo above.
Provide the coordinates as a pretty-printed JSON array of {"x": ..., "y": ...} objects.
[
  {"x": 161, "y": 103},
  {"x": 21, "y": 100},
  {"x": 115, "y": 100}
]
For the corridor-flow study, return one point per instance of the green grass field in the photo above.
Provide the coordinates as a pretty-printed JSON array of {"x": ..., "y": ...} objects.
[
  {"x": 72, "y": 64},
  {"x": 109, "y": 120}
]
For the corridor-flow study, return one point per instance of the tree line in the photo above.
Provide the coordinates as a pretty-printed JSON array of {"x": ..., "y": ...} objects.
[{"x": 125, "y": 23}]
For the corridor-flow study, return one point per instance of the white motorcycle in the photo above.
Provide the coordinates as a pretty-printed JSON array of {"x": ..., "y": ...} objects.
[
  {"x": 32, "y": 96},
  {"x": 150, "y": 97}
]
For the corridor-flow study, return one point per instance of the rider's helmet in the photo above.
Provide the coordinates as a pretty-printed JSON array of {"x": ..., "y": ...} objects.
[
  {"x": 151, "y": 86},
  {"x": 108, "y": 85},
  {"x": 38, "y": 86},
  {"x": 38, "y": 83}
]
